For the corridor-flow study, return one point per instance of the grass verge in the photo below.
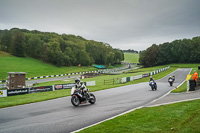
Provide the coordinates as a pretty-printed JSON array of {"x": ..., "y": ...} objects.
[{"x": 181, "y": 117}]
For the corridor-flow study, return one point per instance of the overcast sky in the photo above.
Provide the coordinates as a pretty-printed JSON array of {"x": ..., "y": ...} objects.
[{"x": 124, "y": 24}]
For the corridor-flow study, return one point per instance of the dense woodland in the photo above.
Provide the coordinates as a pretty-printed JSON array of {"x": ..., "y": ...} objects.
[
  {"x": 178, "y": 51},
  {"x": 60, "y": 50}
]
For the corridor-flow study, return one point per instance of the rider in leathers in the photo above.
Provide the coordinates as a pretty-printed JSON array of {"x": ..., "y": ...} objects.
[
  {"x": 80, "y": 85},
  {"x": 151, "y": 79}
]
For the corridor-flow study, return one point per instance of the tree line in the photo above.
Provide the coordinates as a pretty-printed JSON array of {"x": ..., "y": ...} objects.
[
  {"x": 178, "y": 51},
  {"x": 131, "y": 51},
  {"x": 60, "y": 50}
]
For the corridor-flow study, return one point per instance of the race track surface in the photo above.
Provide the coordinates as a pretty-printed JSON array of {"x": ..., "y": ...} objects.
[{"x": 59, "y": 115}]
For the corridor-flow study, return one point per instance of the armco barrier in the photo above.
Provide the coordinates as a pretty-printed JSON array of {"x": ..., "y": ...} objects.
[
  {"x": 127, "y": 79},
  {"x": 61, "y": 75}
]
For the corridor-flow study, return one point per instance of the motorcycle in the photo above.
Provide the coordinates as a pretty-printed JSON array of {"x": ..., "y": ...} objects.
[
  {"x": 78, "y": 97},
  {"x": 153, "y": 85},
  {"x": 170, "y": 81}
]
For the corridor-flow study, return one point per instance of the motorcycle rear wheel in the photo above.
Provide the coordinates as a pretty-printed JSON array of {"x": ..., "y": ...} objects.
[{"x": 75, "y": 101}]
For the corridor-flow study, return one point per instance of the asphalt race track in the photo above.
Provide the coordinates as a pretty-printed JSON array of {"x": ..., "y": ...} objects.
[{"x": 59, "y": 115}]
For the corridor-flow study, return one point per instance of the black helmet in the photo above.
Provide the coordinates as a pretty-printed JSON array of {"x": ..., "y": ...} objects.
[{"x": 77, "y": 80}]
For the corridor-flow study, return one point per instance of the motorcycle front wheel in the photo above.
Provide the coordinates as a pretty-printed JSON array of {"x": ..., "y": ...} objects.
[
  {"x": 75, "y": 101},
  {"x": 92, "y": 98},
  {"x": 152, "y": 88}
]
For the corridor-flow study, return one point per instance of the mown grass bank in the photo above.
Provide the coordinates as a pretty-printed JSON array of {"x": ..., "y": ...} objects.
[
  {"x": 37, "y": 97},
  {"x": 174, "y": 118},
  {"x": 35, "y": 68},
  {"x": 131, "y": 57}
]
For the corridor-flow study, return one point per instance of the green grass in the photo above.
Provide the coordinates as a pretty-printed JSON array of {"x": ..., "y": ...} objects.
[
  {"x": 182, "y": 88},
  {"x": 176, "y": 118},
  {"x": 34, "y": 68},
  {"x": 30, "y": 98},
  {"x": 131, "y": 57}
]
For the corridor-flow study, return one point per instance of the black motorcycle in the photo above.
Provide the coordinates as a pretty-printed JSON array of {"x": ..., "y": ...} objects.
[
  {"x": 78, "y": 97},
  {"x": 171, "y": 81},
  {"x": 153, "y": 85}
]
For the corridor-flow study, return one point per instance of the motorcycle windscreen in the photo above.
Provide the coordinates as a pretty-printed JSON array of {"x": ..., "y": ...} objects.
[{"x": 72, "y": 90}]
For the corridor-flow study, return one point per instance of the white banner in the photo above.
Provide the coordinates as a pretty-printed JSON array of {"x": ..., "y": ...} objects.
[
  {"x": 138, "y": 77},
  {"x": 124, "y": 80},
  {"x": 131, "y": 78},
  {"x": 90, "y": 83}
]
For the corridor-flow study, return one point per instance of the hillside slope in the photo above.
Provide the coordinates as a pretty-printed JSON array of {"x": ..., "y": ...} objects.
[
  {"x": 32, "y": 66},
  {"x": 131, "y": 57}
]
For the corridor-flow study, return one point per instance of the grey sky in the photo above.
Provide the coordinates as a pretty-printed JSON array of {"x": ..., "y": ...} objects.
[{"x": 124, "y": 24}]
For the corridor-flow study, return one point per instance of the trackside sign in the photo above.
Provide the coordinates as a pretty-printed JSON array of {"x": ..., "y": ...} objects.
[
  {"x": 3, "y": 93},
  {"x": 17, "y": 91}
]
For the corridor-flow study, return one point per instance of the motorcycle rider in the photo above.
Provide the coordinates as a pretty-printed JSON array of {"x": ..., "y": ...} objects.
[
  {"x": 80, "y": 85},
  {"x": 151, "y": 79},
  {"x": 170, "y": 77},
  {"x": 173, "y": 78}
]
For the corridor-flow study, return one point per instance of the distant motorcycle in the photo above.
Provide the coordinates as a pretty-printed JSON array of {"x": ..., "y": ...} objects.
[
  {"x": 153, "y": 85},
  {"x": 77, "y": 97},
  {"x": 171, "y": 81}
]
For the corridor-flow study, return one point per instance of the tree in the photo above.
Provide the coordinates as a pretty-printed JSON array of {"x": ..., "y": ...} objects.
[
  {"x": 148, "y": 57},
  {"x": 34, "y": 46},
  {"x": 6, "y": 39},
  {"x": 18, "y": 44},
  {"x": 110, "y": 58},
  {"x": 119, "y": 56}
]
